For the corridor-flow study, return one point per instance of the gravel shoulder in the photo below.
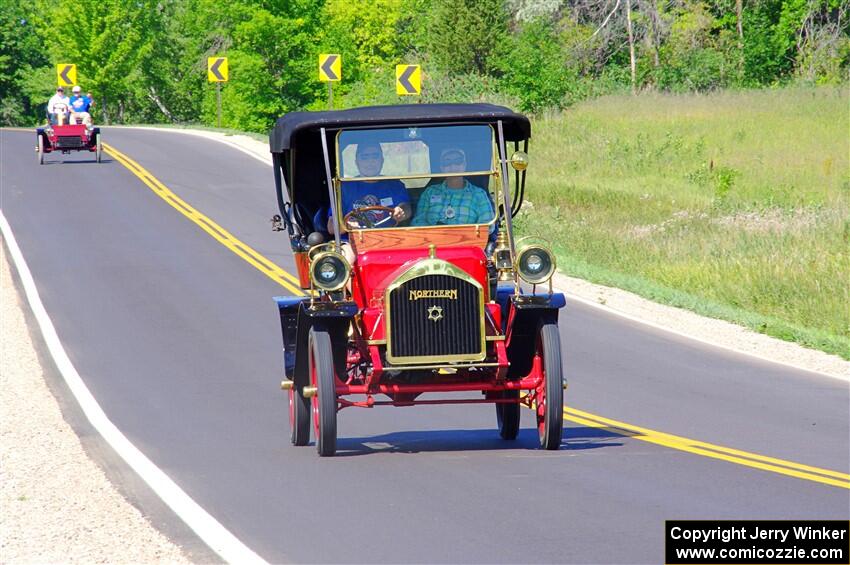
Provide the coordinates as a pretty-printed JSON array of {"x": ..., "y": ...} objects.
[{"x": 59, "y": 506}]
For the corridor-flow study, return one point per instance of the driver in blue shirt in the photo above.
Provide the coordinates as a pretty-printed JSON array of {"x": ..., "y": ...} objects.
[{"x": 389, "y": 193}]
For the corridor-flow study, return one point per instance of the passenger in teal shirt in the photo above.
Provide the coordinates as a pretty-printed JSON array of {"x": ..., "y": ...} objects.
[{"x": 455, "y": 200}]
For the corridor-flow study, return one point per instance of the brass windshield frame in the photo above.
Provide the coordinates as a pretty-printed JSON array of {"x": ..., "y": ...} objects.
[
  {"x": 494, "y": 172},
  {"x": 494, "y": 160}
]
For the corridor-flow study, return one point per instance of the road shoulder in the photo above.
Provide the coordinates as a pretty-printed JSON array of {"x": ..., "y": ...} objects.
[{"x": 58, "y": 504}]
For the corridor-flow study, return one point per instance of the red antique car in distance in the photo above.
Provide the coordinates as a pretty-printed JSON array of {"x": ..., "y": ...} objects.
[
  {"x": 399, "y": 219},
  {"x": 67, "y": 138}
]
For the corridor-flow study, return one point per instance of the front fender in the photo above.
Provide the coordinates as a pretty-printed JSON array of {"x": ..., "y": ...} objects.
[
  {"x": 288, "y": 307},
  {"x": 525, "y": 314},
  {"x": 297, "y": 317}
]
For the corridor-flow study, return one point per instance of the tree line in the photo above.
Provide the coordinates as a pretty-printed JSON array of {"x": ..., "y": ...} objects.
[{"x": 145, "y": 60}]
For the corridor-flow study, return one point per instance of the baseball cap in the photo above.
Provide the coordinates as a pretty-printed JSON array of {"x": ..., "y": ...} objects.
[
  {"x": 76, "y": 89},
  {"x": 60, "y": 88}
]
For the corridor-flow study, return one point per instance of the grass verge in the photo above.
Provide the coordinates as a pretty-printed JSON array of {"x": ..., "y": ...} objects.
[{"x": 735, "y": 205}]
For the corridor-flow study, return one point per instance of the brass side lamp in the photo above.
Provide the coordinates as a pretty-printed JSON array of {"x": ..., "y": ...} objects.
[{"x": 502, "y": 257}]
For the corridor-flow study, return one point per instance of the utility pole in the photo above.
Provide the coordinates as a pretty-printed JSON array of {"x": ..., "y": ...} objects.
[{"x": 631, "y": 44}]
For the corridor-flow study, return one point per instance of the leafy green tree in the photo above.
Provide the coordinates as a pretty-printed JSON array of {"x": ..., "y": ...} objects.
[
  {"x": 145, "y": 61},
  {"x": 769, "y": 39},
  {"x": 367, "y": 27},
  {"x": 413, "y": 28},
  {"x": 285, "y": 47},
  {"x": 21, "y": 52},
  {"x": 463, "y": 35},
  {"x": 534, "y": 69},
  {"x": 111, "y": 46},
  {"x": 271, "y": 55},
  {"x": 696, "y": 54}
]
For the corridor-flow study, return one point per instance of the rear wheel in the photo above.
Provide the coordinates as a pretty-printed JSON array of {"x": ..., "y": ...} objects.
[
  {"x": 40, "y": 149},
  {"x": 99, "y": 150},
  {"x": 550, "y": 394},
  {"x": 299, "y": 417},
  {"x": 324, "y": 403},
  {"x": 507, "y": 415}
]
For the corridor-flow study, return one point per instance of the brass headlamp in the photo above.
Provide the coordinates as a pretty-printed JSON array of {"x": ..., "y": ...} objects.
[{"x": 329, "y": 270}]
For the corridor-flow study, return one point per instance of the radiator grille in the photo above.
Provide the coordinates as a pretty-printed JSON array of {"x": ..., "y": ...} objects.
[
  {"x": 444, "y": 321},
  {"x": 69, "y": 142}
]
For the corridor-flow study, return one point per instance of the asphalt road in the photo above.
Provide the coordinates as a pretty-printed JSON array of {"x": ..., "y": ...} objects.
[{"x": 179, "y": 341}]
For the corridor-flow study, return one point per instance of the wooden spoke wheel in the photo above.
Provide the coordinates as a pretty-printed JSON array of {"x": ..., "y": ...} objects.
[
  {"x": 550, "y": 394},
  {"x": 324, "y": 402},
  {"x": 40, "y": 149}
]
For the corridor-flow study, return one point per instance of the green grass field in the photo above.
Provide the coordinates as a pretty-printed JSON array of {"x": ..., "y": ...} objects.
[{"x": 735, "y": 205}]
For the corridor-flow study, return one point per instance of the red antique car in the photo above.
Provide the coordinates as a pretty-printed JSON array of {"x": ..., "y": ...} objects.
[
  {"x": 438, "y": 298},
  {"x": 67, "y": 138}
]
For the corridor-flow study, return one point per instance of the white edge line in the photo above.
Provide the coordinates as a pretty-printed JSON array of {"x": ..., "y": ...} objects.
[
  {"x": 215, "y": 136},
  {"x": 216, "y": 536}
]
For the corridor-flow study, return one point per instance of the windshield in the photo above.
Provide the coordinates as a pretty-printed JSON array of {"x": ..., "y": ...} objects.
[
  {"x": 446, "y": 173},
  {"x": 415, "y": 151}
]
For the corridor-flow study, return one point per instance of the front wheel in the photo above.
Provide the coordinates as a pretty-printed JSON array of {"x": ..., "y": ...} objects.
[
  {"x": 550, "y": 394},
  {"x": 507, "y": 415},
  {"x": 324, "y": 403},
  {"x": 40, "y": 149},
  {"x": 299, "y": 417},
  {"x": 99, "y": 149}
]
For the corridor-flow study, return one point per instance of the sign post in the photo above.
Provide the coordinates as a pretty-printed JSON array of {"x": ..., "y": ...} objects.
[
  {"x": 217, "y": 72},
  {"x": 330, "y": 71},
  {"x": 408, "y": 80},
  {"x": 66, "y": 74}
]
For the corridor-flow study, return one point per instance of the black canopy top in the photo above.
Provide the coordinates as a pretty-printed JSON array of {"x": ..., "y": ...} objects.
[{"x": 286, "y": 130}]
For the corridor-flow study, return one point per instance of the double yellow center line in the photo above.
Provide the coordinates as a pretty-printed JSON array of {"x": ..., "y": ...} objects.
[
  {"x": 754, "y": 460},
  {"x": 275, "y": 273},
  {"x": 289, "y": 282}
]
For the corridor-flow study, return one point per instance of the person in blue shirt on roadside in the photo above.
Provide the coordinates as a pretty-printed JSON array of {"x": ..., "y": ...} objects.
[{"x": 79, "y": 106}]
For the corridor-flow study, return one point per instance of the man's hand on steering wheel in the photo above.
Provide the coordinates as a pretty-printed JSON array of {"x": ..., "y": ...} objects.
[{"x": 360, "y": 216}]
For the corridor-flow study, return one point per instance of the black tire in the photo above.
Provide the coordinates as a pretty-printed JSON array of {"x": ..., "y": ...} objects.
[
  {"x": 99, "y": 150},
  {"x": 507, "y": 416},
  {"x": 324, "y": 403},
  {"x": 299, "y": 417},
  {"x": 40, "y": 149},
  {"x": 550, "y": 416}
]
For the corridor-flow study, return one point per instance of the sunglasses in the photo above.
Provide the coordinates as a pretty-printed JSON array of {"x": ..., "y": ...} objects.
[
  {"x": 459, "y": 160},
  {"x": 370, "y": 156}
]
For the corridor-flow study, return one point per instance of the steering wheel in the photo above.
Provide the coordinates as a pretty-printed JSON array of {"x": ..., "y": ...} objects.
[{"x": 356, "y": 219}]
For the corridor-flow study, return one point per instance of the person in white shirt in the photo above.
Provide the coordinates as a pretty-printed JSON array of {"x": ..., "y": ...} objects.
[{"x": 57, "y": 107}]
